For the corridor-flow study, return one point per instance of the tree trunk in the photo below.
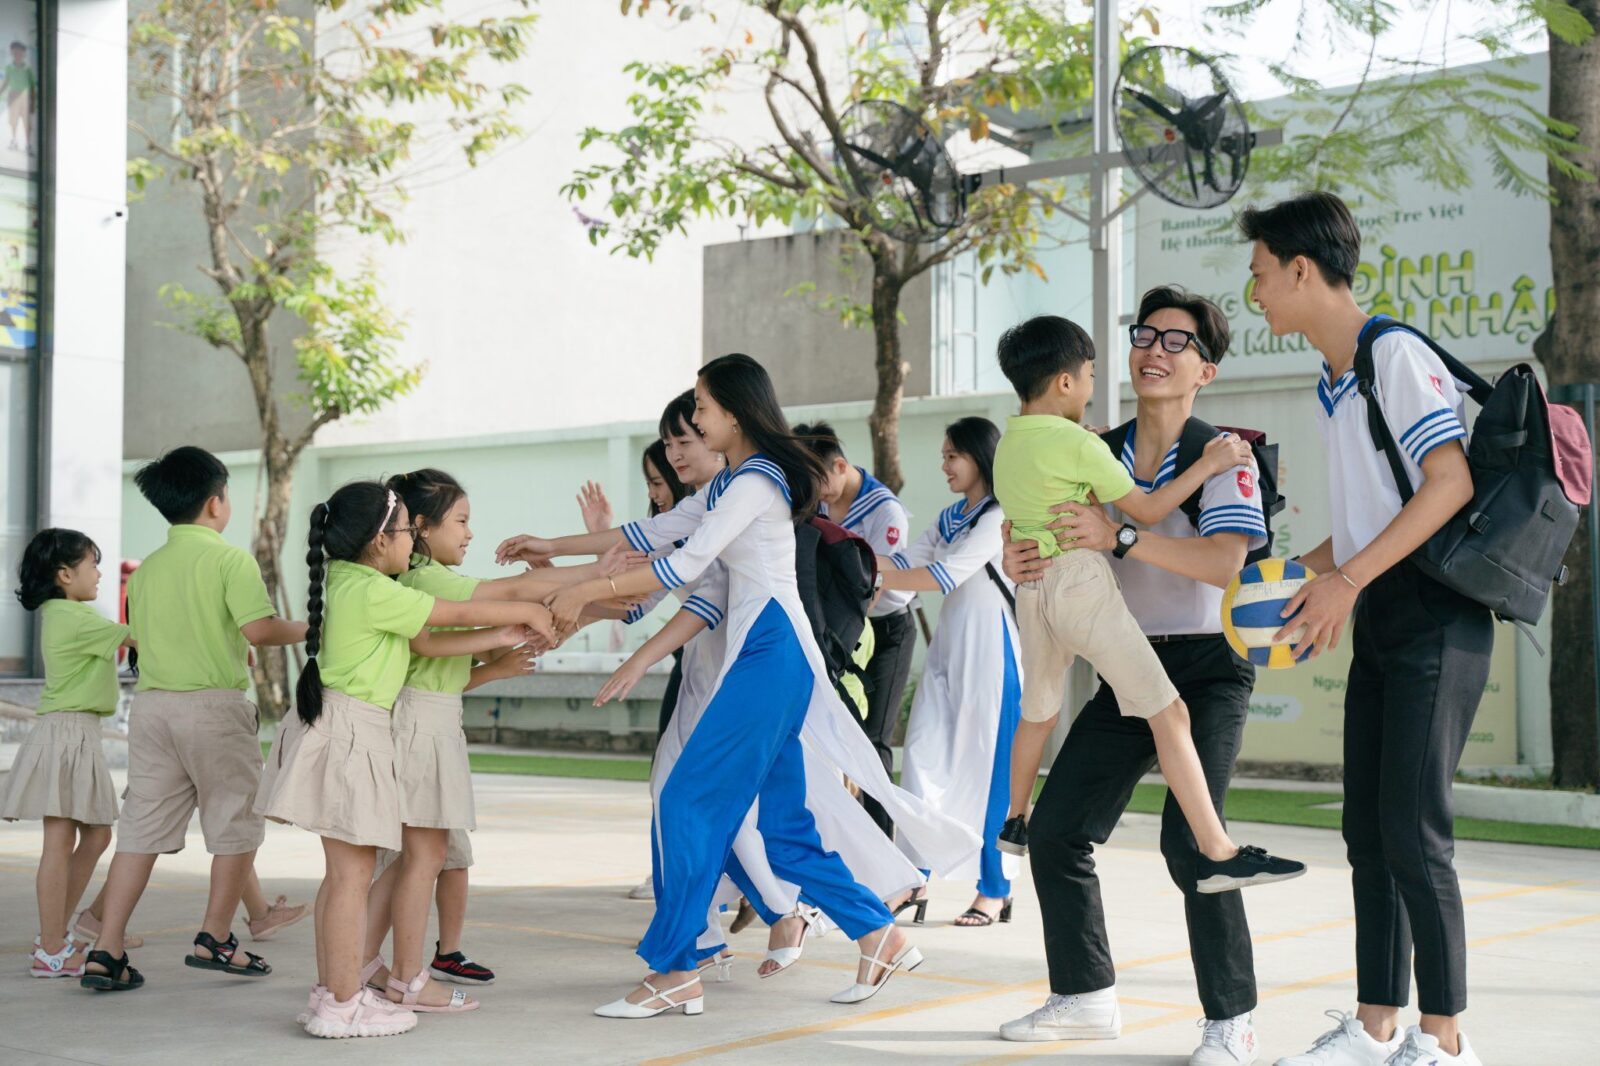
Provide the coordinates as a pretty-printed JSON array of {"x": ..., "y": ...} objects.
[
  {"x": 271, "y": 671},
  {"x": 1573, "y": 356},
  {"x": 884, "y": 422}
]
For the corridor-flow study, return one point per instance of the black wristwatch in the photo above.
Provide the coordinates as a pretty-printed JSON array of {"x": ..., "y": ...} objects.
[{"x": 1127, "y": 537}]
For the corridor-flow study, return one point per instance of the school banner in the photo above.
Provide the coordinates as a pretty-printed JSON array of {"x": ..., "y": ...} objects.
[{"x": 1471, "y": 267}]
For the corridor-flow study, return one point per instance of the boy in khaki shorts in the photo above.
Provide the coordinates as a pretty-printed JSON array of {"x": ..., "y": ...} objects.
[
  {"x": 1046, "y": 458},
  {"x": 194, "y": 606}
]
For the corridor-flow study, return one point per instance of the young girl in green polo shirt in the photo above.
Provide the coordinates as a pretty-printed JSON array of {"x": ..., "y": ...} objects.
[
  {"x": 332, "y": 768},
  {"x": 59, "y": 774},
  {"x": 436, "y": 802}
]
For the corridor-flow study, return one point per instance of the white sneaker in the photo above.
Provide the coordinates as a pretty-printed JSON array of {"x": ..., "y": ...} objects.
[
  {"x": 1346, "y": 1044},
  {"x": 1088, "y": 1016},
  {"x": 1229, "y": 1042},
  {"x": 1420, "y": 1049},
  {"x": 645, "y": 889}
]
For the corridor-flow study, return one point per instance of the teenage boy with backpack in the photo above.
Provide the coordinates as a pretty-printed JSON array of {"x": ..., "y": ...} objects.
[
  {"x": 1172, "y": 576},
  {"x": 1421, "y": 655}
]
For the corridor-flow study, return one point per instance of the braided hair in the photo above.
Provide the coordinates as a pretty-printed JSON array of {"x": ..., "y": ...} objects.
[
  {"x": 428, "y": 495},
  {"x": 340, "y": 529}
]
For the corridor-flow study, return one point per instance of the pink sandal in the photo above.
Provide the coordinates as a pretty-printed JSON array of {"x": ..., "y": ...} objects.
[
  {"x": 86, "y": 930},
  {"x": 370, "y": 970},
  {"x": 58, "y": 965},
  {"x": 459, "y": 1003},
  {"x": 279, "y": 916}
]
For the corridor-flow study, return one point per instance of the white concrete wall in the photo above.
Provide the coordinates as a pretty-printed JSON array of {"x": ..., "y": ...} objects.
[
  {"x": 523, "y": 324},
  {"x": 81, "y": 445}
]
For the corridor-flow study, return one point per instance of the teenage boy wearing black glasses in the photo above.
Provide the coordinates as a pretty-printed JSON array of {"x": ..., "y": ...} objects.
[{"x": 1172, "y": 575}]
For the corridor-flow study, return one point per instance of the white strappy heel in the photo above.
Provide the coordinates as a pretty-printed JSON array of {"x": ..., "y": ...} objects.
[
  {"x": 721, "y": 966},
  {"x": 621, "y": 1008},
  {"x": 908, "y": 959},
  {"x": 787, "y": 957}
]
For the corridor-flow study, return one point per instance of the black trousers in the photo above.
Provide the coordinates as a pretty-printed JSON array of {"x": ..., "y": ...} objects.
[
  {"x": 1421, "y": 663},
  {"x": 887, "y": 672},
  {"x": 669, "y": 698},
  {"x": 1088, "y": 788}
]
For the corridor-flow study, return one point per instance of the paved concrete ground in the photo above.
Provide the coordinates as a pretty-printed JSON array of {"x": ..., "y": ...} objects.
[{"x": 556, "y": 856}]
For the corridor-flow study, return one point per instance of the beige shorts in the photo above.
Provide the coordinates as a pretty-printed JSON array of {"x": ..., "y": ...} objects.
[
  {"x": 189, "y": 750},
  {"x": 1077, "y": 609},
  {"x": 457, "y": 854},
  {"x": 430, "y": 760},
  {"x": 60, "y": 772}
]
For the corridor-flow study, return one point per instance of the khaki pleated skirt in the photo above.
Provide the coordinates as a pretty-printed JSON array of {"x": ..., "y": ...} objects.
[
  {"x": 60, "y": 772},
  {"x": 430, "y": 760},
  {"x": 336, "y": 777}
]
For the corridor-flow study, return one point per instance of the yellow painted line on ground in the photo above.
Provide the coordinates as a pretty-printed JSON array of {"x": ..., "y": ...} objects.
[
  {"x": 1176, "y": 1015},
  {"x": 1279, "y": 991}
]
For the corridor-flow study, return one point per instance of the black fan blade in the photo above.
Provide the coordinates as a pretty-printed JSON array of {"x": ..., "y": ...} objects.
[{"x": 1152, "y": 104}]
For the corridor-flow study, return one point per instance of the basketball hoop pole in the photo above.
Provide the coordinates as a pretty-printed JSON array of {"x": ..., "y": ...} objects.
[{"x": 1105, "y": 221}]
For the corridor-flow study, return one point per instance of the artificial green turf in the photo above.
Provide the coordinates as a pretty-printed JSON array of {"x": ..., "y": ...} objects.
[{"x": 1244, "y": 804}]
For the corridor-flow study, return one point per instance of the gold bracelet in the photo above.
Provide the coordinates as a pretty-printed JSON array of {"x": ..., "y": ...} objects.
[
  {"x": 612, "y": 582},
  {"x": 1347, "y": 580}
]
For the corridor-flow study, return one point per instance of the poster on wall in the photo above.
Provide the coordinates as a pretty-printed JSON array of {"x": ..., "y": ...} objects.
[
  {"x": 1470, "y": 266},
  {"x": 19, "y": 188}
]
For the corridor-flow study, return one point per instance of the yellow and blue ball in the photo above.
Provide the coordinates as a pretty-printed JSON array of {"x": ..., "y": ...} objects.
[{"x": 1252, "y": 606}]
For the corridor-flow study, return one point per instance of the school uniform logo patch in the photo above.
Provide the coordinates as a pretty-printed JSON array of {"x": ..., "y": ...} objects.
[
  {"x": 1247, "y": 484},
  {"x": 1438, "y": 386},
  {"x": 893, "y": 535}
]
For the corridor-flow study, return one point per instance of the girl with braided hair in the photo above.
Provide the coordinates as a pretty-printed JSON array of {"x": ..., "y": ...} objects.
[
  {"x": 436, "y": 804},
  {"x": 332, "y": 768}
]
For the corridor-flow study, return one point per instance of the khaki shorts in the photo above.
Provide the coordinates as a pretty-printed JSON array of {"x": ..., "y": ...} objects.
[
  {"x": 189, "y": 750},
  {"x": 1077, "y": 609},
  {"x": 457, "y": 854}
]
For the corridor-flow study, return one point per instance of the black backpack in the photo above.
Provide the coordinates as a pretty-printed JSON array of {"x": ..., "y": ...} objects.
[
  {"x": 1531, "y": 467},
  {"x": 834, "y": 570},
  {"x": 1192, "y": 442}
]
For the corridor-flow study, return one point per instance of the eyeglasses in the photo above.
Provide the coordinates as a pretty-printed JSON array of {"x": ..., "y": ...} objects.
[
  {"x": 1172, "y": 340},
  {"x": 410, "y": 531}
]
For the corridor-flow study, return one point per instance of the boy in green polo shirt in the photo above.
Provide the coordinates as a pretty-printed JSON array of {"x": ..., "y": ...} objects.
[
  {"x": 1045, "y": 458},
  {"x": 195, "y": 606}
]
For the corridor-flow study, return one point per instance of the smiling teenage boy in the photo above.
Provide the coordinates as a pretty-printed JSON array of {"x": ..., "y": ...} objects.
[{"x": 1421, "y": 654}]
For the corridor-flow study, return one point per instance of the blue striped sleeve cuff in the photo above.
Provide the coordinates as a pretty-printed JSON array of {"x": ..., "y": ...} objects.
[
  {"x": 665, "y": 574},
  {"x": 947, "y": 584},
  {"x": 1430, "y": 431},
  {"x": 635, "y": 613},
  {"x": 900, "y": 560},
  {"x": 705, "y": 609},
  {"x": 636, "y": 538},
  {"x": 1232, "y": 518}
]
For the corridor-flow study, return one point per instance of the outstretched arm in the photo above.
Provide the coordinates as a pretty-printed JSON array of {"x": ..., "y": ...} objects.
[{"x": 685, "y": 625}]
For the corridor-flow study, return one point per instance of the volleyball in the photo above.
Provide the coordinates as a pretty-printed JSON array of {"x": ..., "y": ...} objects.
[{"x": 1251, "y": 609}]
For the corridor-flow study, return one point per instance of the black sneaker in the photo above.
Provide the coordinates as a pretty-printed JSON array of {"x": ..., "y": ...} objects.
[
  {"x": 458, "y": 968},
  {"x": 1014, "y": 836},
  {"x": 1249, "y": 866}
]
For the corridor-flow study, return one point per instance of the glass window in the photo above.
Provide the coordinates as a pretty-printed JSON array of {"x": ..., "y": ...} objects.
[{"x": 19, "y": 314}]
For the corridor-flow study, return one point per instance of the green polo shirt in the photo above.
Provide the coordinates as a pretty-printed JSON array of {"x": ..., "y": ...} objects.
[
  {"x": 368, "y": 620},
  {"x": 186, "y": 603},
  {"x": 1043, "y": 460},
  {"x": 80, "y": 658},
  {"x": 430, "y": 673}
]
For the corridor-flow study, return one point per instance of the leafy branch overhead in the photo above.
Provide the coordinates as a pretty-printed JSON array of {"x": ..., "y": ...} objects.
[
  {"x": 1408, "y": 113},
  {"x": 300, "y": 131},
  {"x": 957, "y": 63}
]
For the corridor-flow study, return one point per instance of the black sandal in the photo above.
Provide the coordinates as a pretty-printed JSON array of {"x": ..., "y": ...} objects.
[
  {"x": 119, "y": 976},
  {"x": 983, "y": 919},
  {"x": 222, "y": 956},
  {"x": 920, "y": 903}
]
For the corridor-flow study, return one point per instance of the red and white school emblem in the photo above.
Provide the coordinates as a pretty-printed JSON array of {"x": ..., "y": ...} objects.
[
  {"x": 1247, "y": 484},
  {"x": 893, "y": 535},
  {"x": 1438, "y": 386}
]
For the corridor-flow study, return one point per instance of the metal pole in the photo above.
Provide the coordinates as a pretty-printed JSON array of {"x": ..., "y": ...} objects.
[{"x": 1105, "y": 231}]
